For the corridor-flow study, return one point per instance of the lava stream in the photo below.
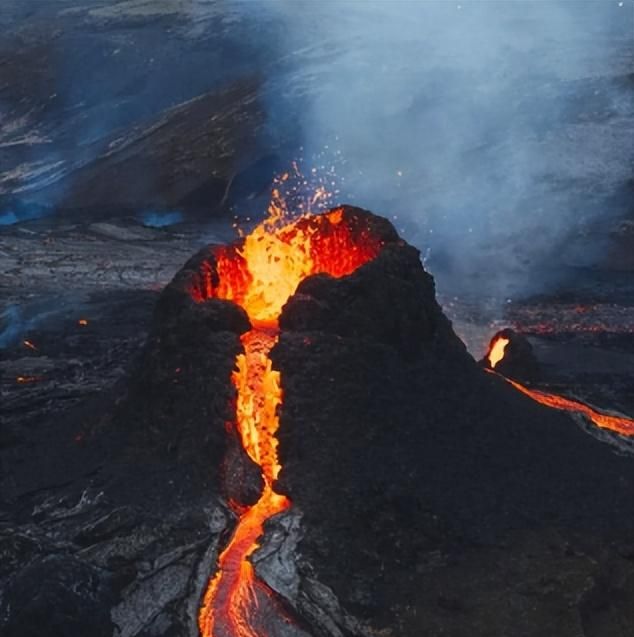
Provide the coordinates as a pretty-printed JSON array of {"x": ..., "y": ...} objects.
[
  {"x": 260, "y": 274},
  {"x": 227, "y": 609},
  {"x": 619, "y": 424}
]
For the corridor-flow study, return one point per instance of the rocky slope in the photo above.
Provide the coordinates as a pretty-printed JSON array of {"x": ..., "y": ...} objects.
[{"x": 454, "y": 504}]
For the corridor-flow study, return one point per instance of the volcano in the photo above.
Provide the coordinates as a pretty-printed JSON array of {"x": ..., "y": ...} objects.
[{"x": 305, "y": 447}]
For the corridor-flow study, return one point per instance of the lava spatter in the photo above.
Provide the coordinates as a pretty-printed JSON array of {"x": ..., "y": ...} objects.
[{"x": 260, "y": 274}]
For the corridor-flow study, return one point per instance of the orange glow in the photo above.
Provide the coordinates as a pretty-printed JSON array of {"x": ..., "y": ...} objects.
[
  {"x": 231, "y": 593},
  {"x": 30, "y": 345},
  {"x": 259, "y": 395},
  {"x": 261, "y": 273},
  {"x": 25, "y": 380},
  {"x": 619, "y": 424},
  {"x": 82, "y": 322},
  {"x": 497, "y": 350}
]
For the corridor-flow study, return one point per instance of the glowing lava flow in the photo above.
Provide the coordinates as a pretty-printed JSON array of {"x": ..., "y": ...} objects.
[
  {"x": 260, "y": 274},
  {"x": 496, "y": 353},
  {"x": 619, "y": 424},
  {"x": 231, "y": 594}
]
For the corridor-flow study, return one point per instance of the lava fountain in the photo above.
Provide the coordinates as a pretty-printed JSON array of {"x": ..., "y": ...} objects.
[
  {"x": 614, "y": 422},
  {"x": 260, "y": 273}
]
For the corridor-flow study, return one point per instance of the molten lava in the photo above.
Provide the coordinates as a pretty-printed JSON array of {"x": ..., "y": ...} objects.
[
  {"x": 497, "y": 350},
  {"x": 264, "y": 271},
  {"x": 619, "y": 424},
  {"x": 260, "y": 274},
  {"x": 25, "y": 380}
]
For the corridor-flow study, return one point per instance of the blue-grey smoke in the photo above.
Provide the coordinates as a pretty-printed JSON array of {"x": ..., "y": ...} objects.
[
  {"x": 493, "y": 132},
  {"x": 18, "y": 211},
  {"x": 17, "y": 320},
  {"x": 13, "y": 324},
  {"x": 160, "y": 219}
]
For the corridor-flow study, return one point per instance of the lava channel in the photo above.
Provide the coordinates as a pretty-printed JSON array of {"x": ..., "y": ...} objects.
[
  {"x": 260, "y": 273},
  {"x": 616, "y": 423}
]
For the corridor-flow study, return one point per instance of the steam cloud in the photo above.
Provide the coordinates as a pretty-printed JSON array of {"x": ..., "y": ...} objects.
[{"x": 494, "y": 131}]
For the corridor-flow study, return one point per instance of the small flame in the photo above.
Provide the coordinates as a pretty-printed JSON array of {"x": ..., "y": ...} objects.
[
  {"x": 82, "y": 322},
  {"x": 30, "y": 345},
  {"x": 497, "y": 350}
]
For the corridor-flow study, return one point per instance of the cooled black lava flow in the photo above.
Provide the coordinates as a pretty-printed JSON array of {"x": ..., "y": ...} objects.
[{"x": 395, "y": 444}]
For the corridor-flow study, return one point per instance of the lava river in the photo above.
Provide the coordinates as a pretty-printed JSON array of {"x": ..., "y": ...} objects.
[
  {"x": 260, "y": 273},
  {"x": 614, "y": 422}
]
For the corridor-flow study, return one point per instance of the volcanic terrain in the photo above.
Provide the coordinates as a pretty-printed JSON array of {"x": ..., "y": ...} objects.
[{"x": 403, "y": 468}]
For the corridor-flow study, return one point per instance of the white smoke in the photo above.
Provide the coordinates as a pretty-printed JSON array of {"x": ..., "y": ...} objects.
[{"x": 492, "y": 130}]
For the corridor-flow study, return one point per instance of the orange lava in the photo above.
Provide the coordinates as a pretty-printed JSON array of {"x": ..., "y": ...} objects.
[
  {"x": 260, "y": 274},
  {"x": 227, "y": 606},
  {"x": 26, "y": 380},
  {"x": 265, "y": 270},
  {"x": 497, "y": 350},
  {"x": 619, "y": 424}
]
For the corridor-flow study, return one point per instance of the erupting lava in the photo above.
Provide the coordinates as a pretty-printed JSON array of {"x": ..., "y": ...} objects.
[
  {"x": 619, "y": 424},
  {"x": 496, "y": 353},
  {"x": 260, "y": 273}
]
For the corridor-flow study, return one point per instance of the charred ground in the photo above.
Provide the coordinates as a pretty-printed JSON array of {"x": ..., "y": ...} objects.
[{"x": 433, "y": 496}]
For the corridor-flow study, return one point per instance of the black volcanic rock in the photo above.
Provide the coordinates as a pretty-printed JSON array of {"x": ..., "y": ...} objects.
[
  {"x": 61, "y": 595},
  {"x": 368, "y": 305},
  {"x": 429, "y": 497},
  {"x": 180, "y": 397},
  {"x": 519, "y": 361},
  {"x": 397, "y": 448},
  {"x": 190, "y": 147}
]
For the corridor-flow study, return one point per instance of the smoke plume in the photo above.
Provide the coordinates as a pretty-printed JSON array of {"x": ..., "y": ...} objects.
[{"x": 496, "y": 132}]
